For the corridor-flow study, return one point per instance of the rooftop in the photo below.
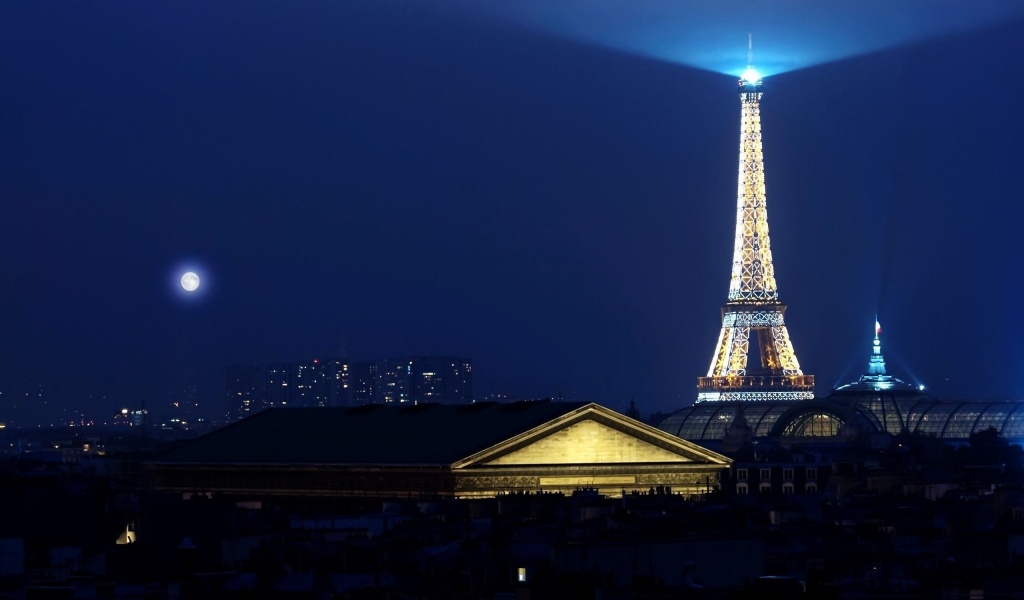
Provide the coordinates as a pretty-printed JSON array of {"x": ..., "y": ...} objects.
[{"x": 422, "y": 434}]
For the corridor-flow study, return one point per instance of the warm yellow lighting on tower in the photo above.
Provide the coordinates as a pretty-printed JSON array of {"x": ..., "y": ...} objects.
[{"x": 753, "y": 313}]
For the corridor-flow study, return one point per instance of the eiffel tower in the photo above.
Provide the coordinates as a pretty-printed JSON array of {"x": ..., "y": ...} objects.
[{"x": 753, "y": 312}]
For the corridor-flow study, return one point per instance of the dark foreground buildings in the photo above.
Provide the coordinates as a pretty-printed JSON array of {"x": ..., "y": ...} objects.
[{"x": 537, "y": 500}]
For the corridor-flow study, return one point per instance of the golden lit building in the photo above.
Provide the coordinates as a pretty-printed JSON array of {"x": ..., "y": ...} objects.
[{"x": 475, "y": 450}]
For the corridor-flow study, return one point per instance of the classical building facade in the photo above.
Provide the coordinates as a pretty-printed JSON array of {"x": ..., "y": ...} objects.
[{"x": 477, "y": 450}]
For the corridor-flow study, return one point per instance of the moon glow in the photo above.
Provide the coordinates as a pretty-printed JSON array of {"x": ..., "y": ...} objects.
[{"x": 190, "y": 282}]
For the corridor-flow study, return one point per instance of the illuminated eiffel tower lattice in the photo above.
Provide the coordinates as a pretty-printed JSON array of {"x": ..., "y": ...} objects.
[{"x": 753, "y": 313}]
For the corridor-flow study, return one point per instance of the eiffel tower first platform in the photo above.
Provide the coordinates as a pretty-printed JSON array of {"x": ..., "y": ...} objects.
[{"x": 753, "y": 313}]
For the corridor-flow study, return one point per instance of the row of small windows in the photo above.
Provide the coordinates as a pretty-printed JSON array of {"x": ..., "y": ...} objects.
[
  {"x": 810, "y": 487},
  {"x": 765, "y": 473}
]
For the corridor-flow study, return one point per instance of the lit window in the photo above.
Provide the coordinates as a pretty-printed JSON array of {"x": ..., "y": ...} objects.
[{"x": 522, "y": 574}]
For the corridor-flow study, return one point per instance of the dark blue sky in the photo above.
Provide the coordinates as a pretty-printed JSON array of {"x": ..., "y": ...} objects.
[{"x": 396, "y": 178}]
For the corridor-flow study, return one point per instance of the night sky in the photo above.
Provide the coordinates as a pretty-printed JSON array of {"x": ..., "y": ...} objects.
[{"x": 548, "y": 191}]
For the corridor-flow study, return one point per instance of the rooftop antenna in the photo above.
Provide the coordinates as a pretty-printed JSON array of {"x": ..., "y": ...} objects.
[{"x": 750, "y": 49}]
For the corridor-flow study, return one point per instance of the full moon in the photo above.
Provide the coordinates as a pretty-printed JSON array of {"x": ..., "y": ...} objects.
[{"x": 190, "y": 282}]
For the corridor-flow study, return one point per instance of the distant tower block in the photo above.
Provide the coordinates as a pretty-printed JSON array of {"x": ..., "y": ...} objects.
[{"x": 753, "y": 313}]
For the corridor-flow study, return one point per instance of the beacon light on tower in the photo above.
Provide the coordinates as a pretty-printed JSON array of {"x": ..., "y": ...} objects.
[{"x": 750, "y": 77}]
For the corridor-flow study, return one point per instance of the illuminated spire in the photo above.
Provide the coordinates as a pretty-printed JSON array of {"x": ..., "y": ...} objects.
[
  {"x": 876, "y": 365},
  {"x": 877, "y": 378},
  {"x": 750, "y": 79},
  {"x": 753, "y": 305}
]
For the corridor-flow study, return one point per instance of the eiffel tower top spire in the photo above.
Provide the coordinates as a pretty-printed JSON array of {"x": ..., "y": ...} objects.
[
  {"x": 753, "y": 309},
  {"x": 753, "y": 276}
]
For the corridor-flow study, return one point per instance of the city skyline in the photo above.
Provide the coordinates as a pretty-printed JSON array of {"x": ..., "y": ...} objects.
[{"x": 375, "y": 180}]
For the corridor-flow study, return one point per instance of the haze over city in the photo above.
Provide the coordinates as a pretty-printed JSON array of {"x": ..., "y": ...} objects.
[{"x": 524, "y": 188}]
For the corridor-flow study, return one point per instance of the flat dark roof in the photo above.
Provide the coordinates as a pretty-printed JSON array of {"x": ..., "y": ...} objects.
[{"x": 424, "y": 434}]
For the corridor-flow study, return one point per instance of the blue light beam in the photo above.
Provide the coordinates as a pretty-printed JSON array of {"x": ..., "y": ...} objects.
[{"x": 712, "y": 34}]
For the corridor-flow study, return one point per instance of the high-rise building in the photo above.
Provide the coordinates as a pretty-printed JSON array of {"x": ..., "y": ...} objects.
[
  {"x": 335, "y": 387},
  {"x": 420, "y": 379},
  {"x": 306, "y": 380},
  {"x": 440, "y": 379},
  {"x": 393, "y": 377},
  {"x": 245, "y": 392},
  {"x": 278, "y": 385},
  {"x": 363, "y": 383},
  {"x": 329, "y": 382},
  {"x": 339, "y": 382},
  {"x": 752, "y": 318},
  {"x": 182, "y": 405}
]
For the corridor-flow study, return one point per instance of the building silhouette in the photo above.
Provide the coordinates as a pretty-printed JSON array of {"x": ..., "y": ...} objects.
[
  {"x": 342, "y": 382},
  {"x": 278, "y": 381},
  {"x": 246, "y": 394},
  {"x": 445, "y": 379}
]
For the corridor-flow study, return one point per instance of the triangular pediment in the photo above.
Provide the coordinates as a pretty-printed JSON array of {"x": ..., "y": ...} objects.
[
  {"x": 587, "y": 442},
  {"x": 592, "y": 435}
]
